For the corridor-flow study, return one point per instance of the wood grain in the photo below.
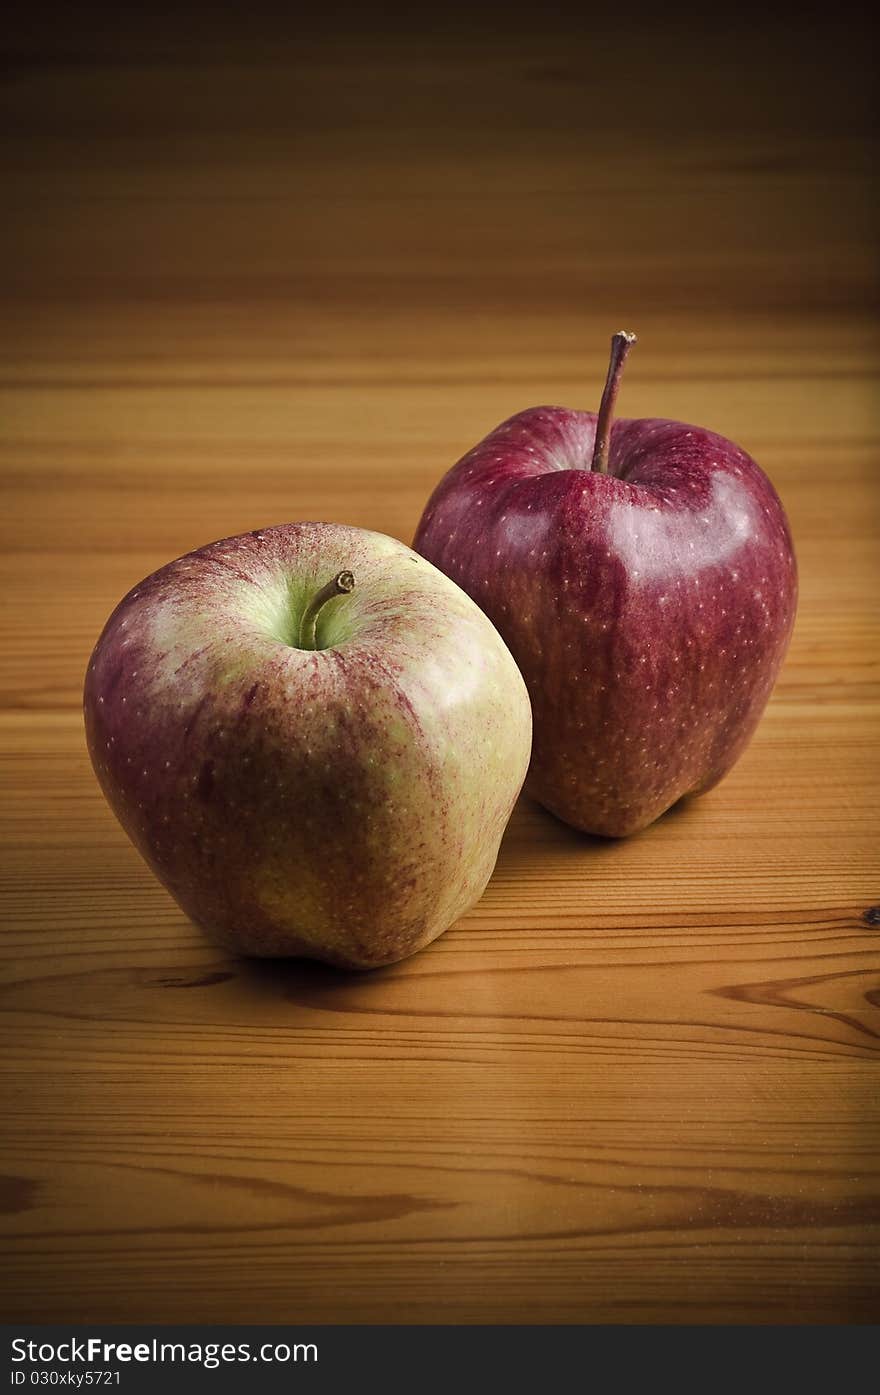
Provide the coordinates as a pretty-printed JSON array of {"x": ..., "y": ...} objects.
[{"x": 253, "y": 276}]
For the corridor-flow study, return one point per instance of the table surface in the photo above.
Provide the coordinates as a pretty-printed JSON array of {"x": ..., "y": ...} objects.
[{"x": 259, "y": 278}]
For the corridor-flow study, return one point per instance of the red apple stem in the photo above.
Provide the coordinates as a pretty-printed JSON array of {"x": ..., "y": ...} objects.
[
  {"x": 341, "y": 584},
  {"x": 621, "y": 343}
]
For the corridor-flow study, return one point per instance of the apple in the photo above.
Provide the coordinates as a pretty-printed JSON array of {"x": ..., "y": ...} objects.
[
  {"x": 314, "y": 738},
  {"x": 643, "y": 576}
]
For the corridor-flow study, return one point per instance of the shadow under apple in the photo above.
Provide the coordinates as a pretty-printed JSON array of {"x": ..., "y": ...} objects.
[{"x": 535, "y": 839}]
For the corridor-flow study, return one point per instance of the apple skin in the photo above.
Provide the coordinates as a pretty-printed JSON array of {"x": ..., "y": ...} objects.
[
  {"x": 344, "y": 803},
  {"x": 649, "y": 608}
]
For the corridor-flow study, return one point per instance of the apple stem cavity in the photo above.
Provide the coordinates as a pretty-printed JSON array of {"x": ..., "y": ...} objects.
[
  {"x": 341, "y": 584},
  {"x": 621, "y": 343}
]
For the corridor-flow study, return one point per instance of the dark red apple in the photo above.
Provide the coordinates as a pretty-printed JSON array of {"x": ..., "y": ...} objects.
[{"x": 643, "y": 576}]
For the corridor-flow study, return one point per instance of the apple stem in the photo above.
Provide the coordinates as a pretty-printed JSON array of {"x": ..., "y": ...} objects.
[
  {"x": 341, "y": 584},
  {"x": 621, "y": 343}
]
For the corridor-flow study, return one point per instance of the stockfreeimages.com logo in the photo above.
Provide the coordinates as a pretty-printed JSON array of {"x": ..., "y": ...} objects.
[{"x": 94, "y": 1351}]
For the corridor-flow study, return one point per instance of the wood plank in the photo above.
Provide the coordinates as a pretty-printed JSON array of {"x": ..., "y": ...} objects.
[{"x": 255, "y": 277}]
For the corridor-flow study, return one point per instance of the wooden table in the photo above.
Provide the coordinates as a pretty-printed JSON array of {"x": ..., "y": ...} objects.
[{"x": 261, "y": 275}]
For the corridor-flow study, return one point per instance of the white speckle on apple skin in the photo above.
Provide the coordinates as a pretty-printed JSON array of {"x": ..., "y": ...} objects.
[
  {"x": 681, "y": 514},
  {"x": 344, "y": 804}
]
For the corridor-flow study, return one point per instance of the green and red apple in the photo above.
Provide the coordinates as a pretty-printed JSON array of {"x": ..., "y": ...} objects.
[{"x": 314, "y": 738}]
